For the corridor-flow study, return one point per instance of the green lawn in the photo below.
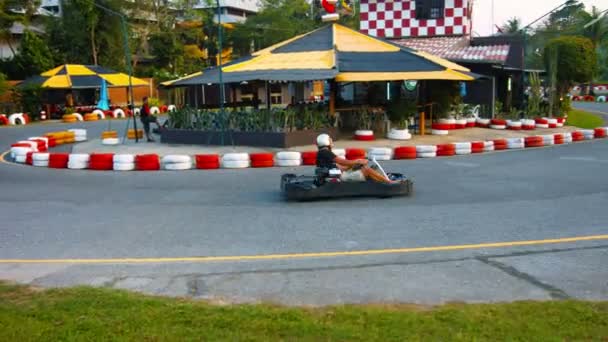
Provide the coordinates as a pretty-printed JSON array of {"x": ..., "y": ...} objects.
[
  {"x": 582, "y": 119},
  {"x": 88, "y": 314}
]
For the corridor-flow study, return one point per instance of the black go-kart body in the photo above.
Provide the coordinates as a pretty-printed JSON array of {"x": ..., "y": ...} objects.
[{"x": 322, "y": 186}]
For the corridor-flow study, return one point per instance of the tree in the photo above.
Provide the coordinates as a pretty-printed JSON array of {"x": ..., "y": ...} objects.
[
  {"x": 598, "y": 32},
  {"x": 576, "y": 61},
  {"x": 512, "y": 26},
  {"x": 34, "y": 55},
  {"x": 12, "y": 11},
  {"x": 3, "y": 84}
]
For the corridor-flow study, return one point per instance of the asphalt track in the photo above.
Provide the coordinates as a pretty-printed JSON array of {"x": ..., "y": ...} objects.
[{"x": 479, "y": 228}]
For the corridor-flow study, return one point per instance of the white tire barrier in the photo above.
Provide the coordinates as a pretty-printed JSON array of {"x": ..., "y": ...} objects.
[
  {"x": 589, "y": 134},
  {"x": 78, "y": 161},
  {"x": 288, "y": 162},
  {"x": 46, "y": 144},
  {"x": 171, "y": 108},
  {"x": 515, "y": 143},
  {"x": 567, "y": 137},
  {"x": 426, "y": 149},
  {"x": 515, "y": 124},
  {"x": 235, "y": 164},
  {"x": 447, "y": 121},
  {"x": 20, "y": 151},
  {"x": 399, "y": 134},
  {"x": 463, "y": 148},
  {"x": 542, "y": 125},
  {"x": 40, "y": 156},
  {"x": 427, "y": 155},
  {"x": 461, "y": 123},
  {"x": 119, "y": 113},
  {"x": 137, "y": 111},
  {"x": 498, "y": 126},
  {"x": 339, "y": 152},
  {"x": 288, "y": 158},
  {"x": 79, "y": 134},
  {"x": 178, "y": 166},
  {"x": 16, "y": 119},
  {"x": 21, "y": 159},
  {"x": 548, "y": 140},
  {"x": 123, "y": 166},
  {"x": 73, "y": 165},
  {"x": 123, "y": 158},
  {"x": 78, "y": 116},
  {"x": 488, "y": 146},
  {"x": 99, "y": 114},
  {"x": 440, "y": 132},
  {"x": 154, "y": 110},
  {"x": 551, "y": 121},
  {"x": 601, "y": 98},
  {"x": 110, "y": 141},
  {"x": 380, "y": 153},
  {"x": 40, "y": 163},
  {"x": 484, "y": 122},
  {"x": 33, "y": 144},
  {"x": 470, "y": 120}
]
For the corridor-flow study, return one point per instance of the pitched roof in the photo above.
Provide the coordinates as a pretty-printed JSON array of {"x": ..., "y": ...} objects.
[{"x": 458, "y": 49}]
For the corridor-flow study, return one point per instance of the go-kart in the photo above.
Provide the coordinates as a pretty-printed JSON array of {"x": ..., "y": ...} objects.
[{"x": 326, "y": 183}]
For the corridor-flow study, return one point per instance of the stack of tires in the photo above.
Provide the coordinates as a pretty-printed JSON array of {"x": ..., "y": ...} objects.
[
  {"x": 463, "y": 148},
  {"x": 40, "y": 159},
  {"x": 79, "y": 134},
  {"x": 147, "y": 162},
  {"x": 558, "y": 139},
  {"x": 364, "y": 135},
  {"x": 355, "y": 153},
  {"x": 470, "y": 122},
  {"x": 235, "y": 160},
  {"x": 514, "y": 125},
  {"x": 460, "y": 123},
  {"x": 309, "y": 158},
  {"x": 552, "y": 122},
  {"x": 560, "y": 122},
  {"x": 515, "y": 143},
  {"x": 528, "y": 125},
  {"x": 548, "y": 140},
  {"x": 405, "y": 152},
  {"x": 3, "y": 120},
  {"x": 441, "y": 128},
  {"x": 399, "y": 134},
  {"x": 109, "y": 138},
  {"x": 447, "y": 124},
  {"x": 483, "y": 123},
  {"x": 599, "y": 133},
  {"x": 567, "y": 137},
  {"x": 78, "y": 161},
  {"x": 91, "y": 117},
  {"x": 69, "y": 118},
  {"x": 578, "y": 136},
  {"x": 589, "y": 134},
  {"x": 446, "y": 150},
  {"x": 100, "y": 114},
  {"x": 259, "y": 160},
  {"x": 498, "y": 124},
  {"x": 533, "y": 141},
  {"x": 19, "y": 151},
  {"x": 288, "y": 159},
  {"x": 131, "y": 134},
  {"x": 40, "y": 145},
  {"x": 118, "y": 114},
  {"x": 542, "y": 123},
  {"x": 58, "y": 160},
  {"x": 488, "y": 146},
  {"x": 29, "y": 160},
  {"x": 101, "y": 161},
  {"x": 177, "y": 162},
  {"x": 426, "y": 151},
  {"x": 123, "y": 162},
  {"x": 17, "y": 119},
  {"x": 477, "y": 147},
  {"x": 207, "y": 161},
  {"x": 380, "y": 153},
  {"x": 500, "y": 144}
]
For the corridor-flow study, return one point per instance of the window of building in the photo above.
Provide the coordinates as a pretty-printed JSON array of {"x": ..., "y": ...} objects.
[{"x": 430, "y": 9}]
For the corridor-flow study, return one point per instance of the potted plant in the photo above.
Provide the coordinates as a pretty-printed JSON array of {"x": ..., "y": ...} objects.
[{"x": 399, "y": 113}]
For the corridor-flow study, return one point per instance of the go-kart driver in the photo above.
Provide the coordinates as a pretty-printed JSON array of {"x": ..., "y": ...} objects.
[{"x": 352, "y": 170}]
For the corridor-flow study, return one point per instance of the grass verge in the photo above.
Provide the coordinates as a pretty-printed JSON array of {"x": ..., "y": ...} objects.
[
  {"x": 102, "y": 314},
  {"x": 582, "y": 119}
]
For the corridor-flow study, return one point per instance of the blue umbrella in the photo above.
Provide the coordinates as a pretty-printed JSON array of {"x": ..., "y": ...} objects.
[{"x": 103, "y": 103}]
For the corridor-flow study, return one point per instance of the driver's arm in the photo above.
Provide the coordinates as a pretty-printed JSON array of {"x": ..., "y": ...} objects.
[{"x": 349, "y": 163}]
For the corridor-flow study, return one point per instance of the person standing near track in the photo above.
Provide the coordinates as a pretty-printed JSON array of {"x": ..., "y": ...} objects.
[{"x": 146, "y": 118}]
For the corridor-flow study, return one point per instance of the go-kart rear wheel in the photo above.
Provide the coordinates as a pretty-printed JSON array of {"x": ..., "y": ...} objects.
[{"x": 286, "y": 178}]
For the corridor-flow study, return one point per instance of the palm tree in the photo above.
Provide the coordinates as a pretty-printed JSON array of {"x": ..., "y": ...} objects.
[{"x": 512, "y": 26}]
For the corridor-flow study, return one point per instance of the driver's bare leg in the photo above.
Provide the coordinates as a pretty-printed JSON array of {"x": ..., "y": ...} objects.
[{"x": 375, "y": 175}]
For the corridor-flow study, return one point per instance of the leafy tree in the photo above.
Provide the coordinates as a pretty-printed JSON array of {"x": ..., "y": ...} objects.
[
  {"x": 34, "y": 56},
  {"x": 512, "y": 26},
  {"x": 576, "y": 61},
  {"x": 11, "y": 12}
]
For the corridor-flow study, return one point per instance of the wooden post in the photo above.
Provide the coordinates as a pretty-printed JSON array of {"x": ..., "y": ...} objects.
[
  {"x": 332, "y": 98},
  {"x": 422, "y": 123}
]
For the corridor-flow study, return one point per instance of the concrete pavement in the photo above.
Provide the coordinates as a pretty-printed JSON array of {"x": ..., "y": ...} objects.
[{"x": 511, "y": 196}]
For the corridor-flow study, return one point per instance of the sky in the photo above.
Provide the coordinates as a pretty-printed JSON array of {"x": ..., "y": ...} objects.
[{"x": 526, "y": 10}]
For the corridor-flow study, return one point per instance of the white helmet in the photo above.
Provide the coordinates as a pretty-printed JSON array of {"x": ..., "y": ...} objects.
[{"x": 323, "y": 140}]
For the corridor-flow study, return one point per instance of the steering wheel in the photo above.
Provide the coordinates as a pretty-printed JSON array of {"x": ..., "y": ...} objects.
[{"x": 379, "y": 167}]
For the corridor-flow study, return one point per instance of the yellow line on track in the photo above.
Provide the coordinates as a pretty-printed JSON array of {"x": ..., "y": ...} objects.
[{"x": 206, "y": 259}]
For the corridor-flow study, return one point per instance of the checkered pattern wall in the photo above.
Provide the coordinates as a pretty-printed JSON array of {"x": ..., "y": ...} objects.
[{"x": 397, "y": 18}]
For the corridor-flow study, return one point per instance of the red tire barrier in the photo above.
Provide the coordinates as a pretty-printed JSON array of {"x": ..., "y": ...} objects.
[
  {"x": 460, "y": 126},
  {"x": 52, "y": 142},
  {"x": 534, "y": 141},
  {"x": 355, "y": 153},
  {"x": 541, "y": 121},
  {"x": 500, "y": 144},
  {"x": 561, "y": 120},
  {"x": 587, "y": 98},
  {"x": 101, "y": 161},
  {"x": 364, "y": 137},
  {"x": 147, "y": 162},
  {"x": 164, "y": 108},
  {"x": 578, "y": 136},
  {"x": 207, "y": 161},
  {"x": 58, "y": 160},
  {"x": 3, "y": 120},
  {"x": 442, "y": 127},
  {"x": 477, "y": 147},
  {"x": 470, "y": 124},
  {"x": 528, "y": 127},
  {"x": 446, "y": 150},
  {"x": 262, "y": 163},
  {"x": 498, "y": 122},
  {"x": 515, "y": 128},
  {"x": 309, "y": 158},
  {"x": 21, "y": 145},
  {"x": 405, "y": 152},
  {"x": 28, "y": 158},
  {"x": 26, "y": 118},
  {"x": 599, "y": 133},
  {"x": 558, "y": 139}
]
